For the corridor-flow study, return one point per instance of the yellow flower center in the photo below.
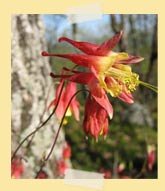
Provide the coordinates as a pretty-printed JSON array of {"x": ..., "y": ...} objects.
[
  {"x": 118, "y": 77},
  {"x": 68, "y": 112}
]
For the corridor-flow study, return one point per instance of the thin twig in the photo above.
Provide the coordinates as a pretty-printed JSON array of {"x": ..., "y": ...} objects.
[
  {"x": 38, "y": 128},
  {"x": 41, "y": 118},
  {"x": 56, "y": 136}
]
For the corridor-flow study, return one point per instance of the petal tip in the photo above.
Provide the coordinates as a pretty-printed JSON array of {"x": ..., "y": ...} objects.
[
  {"x": 44, "y": 53},
  {"x": 141, "y": 59},
  {"x": 61, "y": 39},
  {"x": 110, "y": 115},
  {"x": 131, "y": 102}
]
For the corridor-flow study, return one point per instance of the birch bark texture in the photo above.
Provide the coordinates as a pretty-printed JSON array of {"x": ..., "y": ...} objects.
[{"x": 31, "y": 92}]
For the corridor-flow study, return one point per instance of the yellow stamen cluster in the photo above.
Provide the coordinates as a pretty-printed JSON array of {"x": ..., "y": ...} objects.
[
  {"x": 115, "y": 89},
  {"x": 121, "y": 76},
  {"x": 131, "y": 82}
]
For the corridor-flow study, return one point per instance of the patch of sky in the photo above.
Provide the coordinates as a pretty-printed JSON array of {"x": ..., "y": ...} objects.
[{"x": 60, "y": 25}]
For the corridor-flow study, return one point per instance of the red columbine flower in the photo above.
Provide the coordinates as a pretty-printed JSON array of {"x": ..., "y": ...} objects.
[
  {"x": 61, "y": 167},
  {"x": 97, "y": 108},
  {"x": 110, "y": 68},
  {"x": 97, "y": 92},
  {"x": 17, "y": 168},
  {"x": 96, "y": 119},
  {"x": 68, "y": 91},
  {"x": 107, "y": 71},
  {"x": 66, "y": 151}
]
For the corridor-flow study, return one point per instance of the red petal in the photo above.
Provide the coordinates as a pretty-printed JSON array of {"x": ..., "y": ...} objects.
[
  {"x": 57, "y": 93},
  {"x": 96, "y": 118},
  {"x": 126, "y": 97},
  {"x": 131, "y": 60},
  {"x": 95, "y": 88},
  {"x": 85, "y": 47},
  {"x": 82, "y": 77},
  {"x": 104, "y": 102},
  {"x": 61, "y": 105},
  {"x": 59, "y": 88},
  {"x": 78, "y": 77},
  {"x": 69, "y": 92},
  {"x": 75, "y": 109},
  {"x": 107, "y": 46},
  {"x": 81, "y": 59},
  {"x": 93, "y": 49},
  {"x": 60, "y": 109}
]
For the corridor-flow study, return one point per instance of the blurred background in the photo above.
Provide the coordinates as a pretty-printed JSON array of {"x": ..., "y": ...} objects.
[{"x": 130, "y": 149}]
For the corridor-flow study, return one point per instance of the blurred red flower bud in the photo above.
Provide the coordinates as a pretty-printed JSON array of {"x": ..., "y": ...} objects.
[
  {"x": 66, "y": 152},
  {"x": 61, "y": 167},
  {"x": 120, "y": 167},
  {"x": 96, "y": 119},
  {"x": 107, "y": 173},
  {"x": 42, "y": 175},
  {"x": 151, "y": 156},
  {"x": 17, "y": 168}
]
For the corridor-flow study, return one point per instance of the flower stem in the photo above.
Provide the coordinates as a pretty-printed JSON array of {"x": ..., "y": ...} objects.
[
  {"x": 149, "y": 86},
  {"x": 57, "y": 134},
  {"x": 38, "y": 128}
]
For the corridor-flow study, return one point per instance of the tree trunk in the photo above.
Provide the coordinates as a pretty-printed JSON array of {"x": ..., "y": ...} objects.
[
  {"x": 153, "y": 55},
  {"x": 132, "y": 33},
  {"x": 32, "y": 91}
]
